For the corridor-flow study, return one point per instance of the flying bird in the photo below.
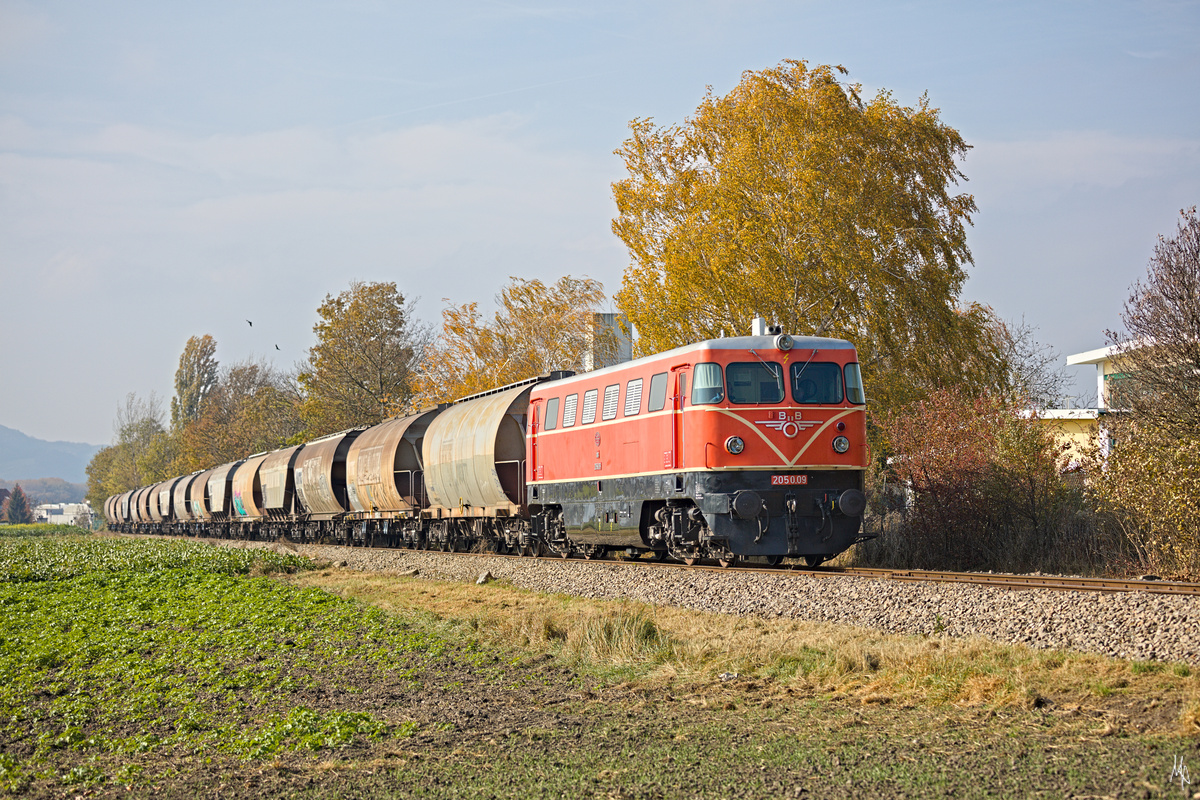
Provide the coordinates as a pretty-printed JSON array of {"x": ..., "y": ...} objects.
[
  {"x": 251, "y": 324},
  {"x": 276, "y": 347}
]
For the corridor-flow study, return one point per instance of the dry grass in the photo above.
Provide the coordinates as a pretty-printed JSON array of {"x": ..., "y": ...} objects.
[{"x": 689, "y": 651}]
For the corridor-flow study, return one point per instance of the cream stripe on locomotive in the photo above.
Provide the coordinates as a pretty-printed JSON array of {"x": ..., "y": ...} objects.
[{"x": 763, "y": 468}]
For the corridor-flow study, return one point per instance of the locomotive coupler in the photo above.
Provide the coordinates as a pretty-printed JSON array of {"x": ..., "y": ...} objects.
[
  {"x": 793, "y": 522},
  {"x": 827, "y": 504}
]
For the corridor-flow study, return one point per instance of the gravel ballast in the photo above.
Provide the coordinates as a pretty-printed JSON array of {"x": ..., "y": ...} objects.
[{"x": 1133, "y": 625}]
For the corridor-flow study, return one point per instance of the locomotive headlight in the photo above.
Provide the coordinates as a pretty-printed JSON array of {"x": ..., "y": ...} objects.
[
  {"x": 783, "y": 342},
  {"x": 735, "y": 445},
  {"x": 841, "y": 444}
]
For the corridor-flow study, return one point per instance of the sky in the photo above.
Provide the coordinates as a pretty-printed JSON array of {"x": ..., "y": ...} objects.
[{"x": 171, "y": 169}]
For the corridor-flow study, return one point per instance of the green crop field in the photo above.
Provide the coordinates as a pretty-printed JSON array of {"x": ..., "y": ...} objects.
[
  {"x": 39, "y": 529},
  {"x": 113, "y": 648}
]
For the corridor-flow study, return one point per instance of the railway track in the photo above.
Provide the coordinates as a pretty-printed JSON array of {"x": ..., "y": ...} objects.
[
  {"x": 1056, "y": 582},
  {"x": 1005, "y": 581}
]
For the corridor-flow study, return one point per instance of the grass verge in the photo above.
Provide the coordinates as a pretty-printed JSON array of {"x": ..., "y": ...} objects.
[{"x": 648, "y": 646}]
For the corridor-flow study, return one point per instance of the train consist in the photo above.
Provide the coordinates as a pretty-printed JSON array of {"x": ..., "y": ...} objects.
[{"x": 729, "y": 448}]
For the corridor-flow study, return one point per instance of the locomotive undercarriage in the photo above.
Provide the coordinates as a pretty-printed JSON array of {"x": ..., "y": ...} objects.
[{"x": 724, "y": 516}]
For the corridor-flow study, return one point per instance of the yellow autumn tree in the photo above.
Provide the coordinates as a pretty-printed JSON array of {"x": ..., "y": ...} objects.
[
  {"x": 536, "y": 329},
  {"x": 362, "y": 368},
  {"x": 795, "y": 198},
  {"x": 252, "y": 408}
]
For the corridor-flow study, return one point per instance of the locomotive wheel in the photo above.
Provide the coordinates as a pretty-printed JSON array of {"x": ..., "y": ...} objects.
[
  {"x": 690, "y": 560},
  {"x": 814, "y": 561},
  {"x": 774, "y": 561},
  {"x": 727, "y": 561}
]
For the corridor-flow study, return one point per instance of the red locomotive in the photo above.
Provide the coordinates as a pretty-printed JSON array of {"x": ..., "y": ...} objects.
[
  {"x": 748, "y": 446},
  {"x": 727, "y": 448}
]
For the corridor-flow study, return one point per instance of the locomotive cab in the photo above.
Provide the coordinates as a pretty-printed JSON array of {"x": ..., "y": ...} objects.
[{"x": 784, "y": 438}]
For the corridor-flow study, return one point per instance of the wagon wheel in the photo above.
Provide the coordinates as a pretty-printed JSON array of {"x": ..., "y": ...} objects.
[
  {"x": 774, "y": 561},
  {"x": 659, "y": 555},
  {"x": 593, "y": 552},
  {"x": 814, "y": 561}
]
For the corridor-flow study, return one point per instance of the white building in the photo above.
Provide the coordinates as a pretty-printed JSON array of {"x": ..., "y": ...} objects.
[
  {"x": 62, "y": 513},
  {"x": 1079, "y": 428}
]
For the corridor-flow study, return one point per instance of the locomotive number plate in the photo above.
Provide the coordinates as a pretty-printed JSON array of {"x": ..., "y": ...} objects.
[{"x": 789, "y": 480}]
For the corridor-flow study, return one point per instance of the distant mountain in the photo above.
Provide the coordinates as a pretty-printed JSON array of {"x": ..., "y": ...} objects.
[
  {"x": 47, "y": 490},
  {"x": 23, "y": 456}
]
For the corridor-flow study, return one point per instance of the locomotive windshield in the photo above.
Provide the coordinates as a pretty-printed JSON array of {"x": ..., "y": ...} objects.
[
  {"x": 707, "y": 385},
  {"x": 755, "y": 382},
  {"x": 854, "y": 385},
  {"x": 817, "y": 383}
]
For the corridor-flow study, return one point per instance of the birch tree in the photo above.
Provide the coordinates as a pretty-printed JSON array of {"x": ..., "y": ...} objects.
[
  {"x": 797, "y": 198},
  {"x": 537, "y": 328}
]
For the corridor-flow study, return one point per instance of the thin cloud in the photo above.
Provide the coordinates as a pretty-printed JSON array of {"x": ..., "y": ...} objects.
[
  {"x": 476, "y": 98},
  {"x": 1081, "y": 158}
]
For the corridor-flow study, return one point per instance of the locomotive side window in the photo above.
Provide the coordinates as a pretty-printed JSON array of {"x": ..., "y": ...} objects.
[
  {"x": 819, "y": 383},
  {"x": 551, "y": 414},
  {"x": 708, "y": 386},
  {"x": 611, "y": 395},
  {"x": 589, "y": 406},
  {"x": 658, "y": 392},
  {"x": 569, "y": 410},
  {"x": 854, "y": 385},
  {"x": 755, "y": 382},
  {"x": 633, "y": 397}
]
